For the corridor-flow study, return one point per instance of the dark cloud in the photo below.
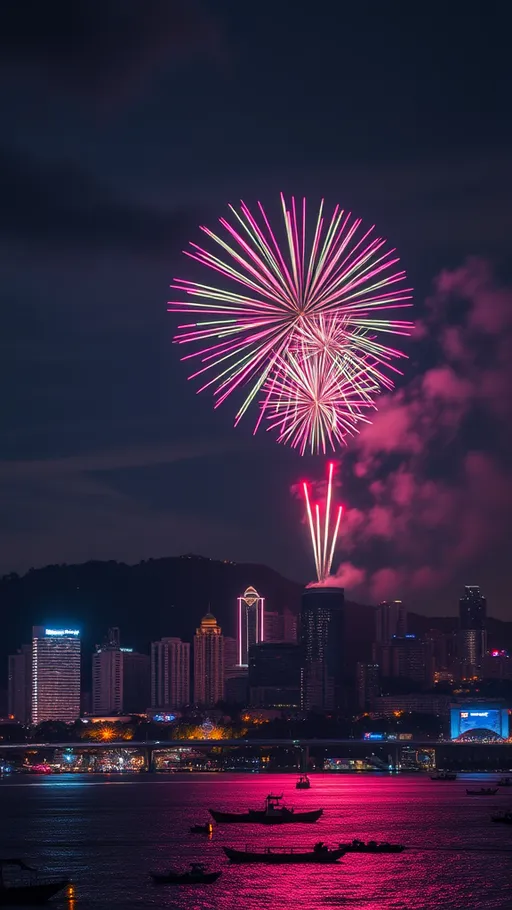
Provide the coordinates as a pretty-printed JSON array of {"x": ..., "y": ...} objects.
[
  {"x": 102, "y": 49},
  {"x": 56, "y": 205}
]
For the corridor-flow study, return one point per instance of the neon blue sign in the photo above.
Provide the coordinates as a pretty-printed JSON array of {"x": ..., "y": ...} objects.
[{"x": 58, "y": 632}]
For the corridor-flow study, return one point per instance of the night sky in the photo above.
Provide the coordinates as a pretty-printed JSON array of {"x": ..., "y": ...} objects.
[{"x": 125, "y": 125}]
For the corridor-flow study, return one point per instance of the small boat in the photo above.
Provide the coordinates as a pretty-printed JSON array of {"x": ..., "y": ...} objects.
[
  {"x": 273, "y": 814},
  {"x": 505, "y": 782},
  {"x": 359, "y": 846},
  {"x": 503, "y": 818},
  {"x": 277, "y": 857},
  {"x": 483, "y": 791},
  {"x": 444, "y": 775},
  {"x": 196, "y": 875},
  {"x": 303, "y": 783},
  {"x": 202, "y": 829},
  {"x": 29, "y": 888}
]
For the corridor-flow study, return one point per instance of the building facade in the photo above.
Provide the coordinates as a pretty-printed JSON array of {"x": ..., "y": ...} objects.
[
  {"x": 19, "y": 693},
  {"x": 55, "y": 674},
  {"x": 322, "y": 643},
  {"x": 472, "y": 628},
  {"x": 136, "y": 681},
  {"x": 367, "y": 684},
  {"x": 107, "y": 680},
  {"x": 390, "y": 620},
  {"x": 251, "y": 623},
  {"x": 170, "y": 673},
  {"x": 208, "y": 662},
  {"x": 274, "y": 675}
]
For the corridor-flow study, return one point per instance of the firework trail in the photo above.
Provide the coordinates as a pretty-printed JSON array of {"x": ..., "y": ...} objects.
[
  {"x": 324, "y": 534},
  {"x": 307, "y": 304}
]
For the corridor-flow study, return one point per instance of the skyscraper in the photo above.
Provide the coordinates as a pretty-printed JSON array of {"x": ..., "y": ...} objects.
[
  {"x": 274, "y": 675},
  {"x": 250, "y": 623},
  {"x": 472, "y": 627},
  {"x": 55, "y": 674},
  {"x": 390, "y": 620},
  {"x": 19, "y": 694},
  {"x": 107, "y": 677},
  {"x": 208, "y": 662},
  {"x": 368, "y": 684},
  {"x": 322, "y": 640},
  {"x": 170, "y": 673}
]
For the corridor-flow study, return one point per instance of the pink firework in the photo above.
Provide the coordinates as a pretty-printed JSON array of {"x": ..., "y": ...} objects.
[
  {"x": 319, "y": 296},
  {"x": 323, "y": 529}
]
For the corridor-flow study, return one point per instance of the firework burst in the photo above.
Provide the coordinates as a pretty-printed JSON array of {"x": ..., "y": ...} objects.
[
  {"x": 324, "y": 533},
  {"x": 310, "y": 304}
]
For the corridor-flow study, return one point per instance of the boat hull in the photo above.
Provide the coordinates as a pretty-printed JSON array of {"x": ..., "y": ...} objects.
[
  {"x": 281, "y": 859},
  {"x": 262, "y": 818},
  {"x": 30, "y": 895},
  {"x": 394, "y": 848},
  {"x": 186, "y": 879},
  {"x": 482, "y": 792}
]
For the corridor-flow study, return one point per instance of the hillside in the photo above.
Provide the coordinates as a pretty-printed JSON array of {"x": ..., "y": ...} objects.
[{"x": 154, "y": 598}]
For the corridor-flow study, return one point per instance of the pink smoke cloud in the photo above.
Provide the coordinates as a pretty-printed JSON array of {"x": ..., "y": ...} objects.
[{"x": 435, "y": 467}]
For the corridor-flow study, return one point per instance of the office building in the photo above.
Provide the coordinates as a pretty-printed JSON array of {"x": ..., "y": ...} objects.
[
  {"x": 274, "y": 675},
  {"x": 19, "y": 693},
  {"x": 136, "y": 681},
  {"x": 55, "y": 674},
  {"x": 107, "y": 679},
  {"x": 406, "y": 657},
  {"x": 497, "y": 665},
  {"x": 208, "y": 662},
  {"x": 251, "y": 623},
  {"x": 170, "y": 673},
  {"x": 322, "y": 643},
  {"x": 390, "y": 620},
  {"x": 367, "y": 685},
  {"x": 472, "y": 628}
]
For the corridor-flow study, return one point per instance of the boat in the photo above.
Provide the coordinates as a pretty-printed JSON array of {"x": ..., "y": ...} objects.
[
  {"x": 273, "y": 814},
  {"x": 483, "y": 791},
  {"x": 444, "y": 775},
  {"x": 278, "y": 857},
  {"x": 196, "y": 875},
  {"x": 303, "y": 783},
  {"x": 359, "y": 846},
  {"x": 505, "y": 782},
  {"x": 504, "y": 818},
  {"x": 29, "y": 888},
  {"x": 202, "y": 829}
]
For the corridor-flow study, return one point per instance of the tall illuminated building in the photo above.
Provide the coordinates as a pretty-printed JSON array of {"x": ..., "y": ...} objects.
[
  {"x": 55, "y": 674},
  {"x": 322, "y": 641},
  {"x": 472, "y": 627},
  {"x": 390, "y": 621},
  {"x": 251, "y": 623},
  {"x": 208, "y": 662},
  {"x": 170, "y": 673}
]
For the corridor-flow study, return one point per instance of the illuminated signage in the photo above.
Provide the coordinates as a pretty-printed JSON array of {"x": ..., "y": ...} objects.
[
  {"x": 164, "y": 718},
  {"x": 479, "y": 714},
  {"x": 59, "y": 632},
  {"x": 464, "y": 714},
  {"x": 126, "y": 650}
]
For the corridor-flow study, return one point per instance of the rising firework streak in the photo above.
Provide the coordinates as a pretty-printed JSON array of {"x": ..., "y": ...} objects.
[{"x": 324, "y": 531}]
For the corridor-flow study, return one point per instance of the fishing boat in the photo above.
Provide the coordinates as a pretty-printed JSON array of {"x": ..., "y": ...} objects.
[
  {"x": 273, "y": 814},
  {"x": 202, "y": 829},
  {"x": 444, "y": 775},
  {"x": 483, "y": 791},
  {"x": 196, "y": 875},
  {"x": 303, "y": 783},
  {"x": 28, "y": 888},
  {"x": 273, "y": 856},
  {"x": 503, "y": 818},
  {"x": 359, "y": 846}
]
